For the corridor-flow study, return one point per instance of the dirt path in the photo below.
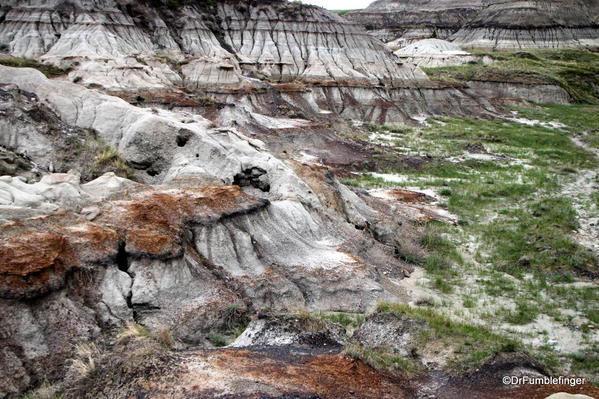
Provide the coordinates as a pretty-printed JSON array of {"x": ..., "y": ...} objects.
[{"x": 580, "y": 191}]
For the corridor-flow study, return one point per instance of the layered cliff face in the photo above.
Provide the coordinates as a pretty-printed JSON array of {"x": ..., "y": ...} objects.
[
  {"x": 414, "y": 20},
  {"x": 502, "y": 25},
  {"x": 311, "y": 61},
  {"x": 133, "y": 45},
  {"x": 488, "y": 24}
]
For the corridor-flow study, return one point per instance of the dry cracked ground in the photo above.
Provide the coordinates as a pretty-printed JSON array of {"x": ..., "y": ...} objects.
[{"x": 260, "y": 199}]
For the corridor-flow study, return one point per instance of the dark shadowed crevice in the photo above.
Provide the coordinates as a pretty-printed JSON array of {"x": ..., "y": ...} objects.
[
  {"x": 121, "y": 258},
  {"x": 123, "y": 265},
  {"x": 183, "y": 137},
  {"x": 255, "y": 177}
]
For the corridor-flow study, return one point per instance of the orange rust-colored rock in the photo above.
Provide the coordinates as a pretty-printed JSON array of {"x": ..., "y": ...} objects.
[
  {"x": 152, "y": 223},
  {"x": 91, "y": 242},
  {"x": 410, "y": 196},
  {"x": 271, "y": 372},
  {"x": 32, "y": 263},
  {"x": 36, "y": 253}
]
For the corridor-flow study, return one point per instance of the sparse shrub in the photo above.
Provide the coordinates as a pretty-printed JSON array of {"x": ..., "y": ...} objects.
[
  {"x": 432, "y": 239},
  {"x": 410, "y": 252},
  {"x": 164, "y": 336},
  {"x": 380, "y": 360},
  {"x": 235, "y": 316},
  {"x": 133, "y": 330},
  {"x": 217, "y": 340},
  {"x": 19, "y": 62},
  {"x": 85, "y": 361},
  {"x": 436, "y": 264},
  {"x": 469, "y": 302},
  {"x": 108, "y": 159},
  {"x": 525, "y": 313},
  {"x": 45, "y": 391},
  {"x": 443, "y": 285}
]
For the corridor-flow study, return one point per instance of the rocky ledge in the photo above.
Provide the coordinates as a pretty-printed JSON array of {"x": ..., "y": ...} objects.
[
  {"x": 232, "y": 57},
  {"x": 173, "y": 256},
  {"x": 407, "y": 21},
  {"x": 488, "y": 24},
  {"x": 212, "y": 228},
  {"x": 503, "y": 25},
  {"x": 119, "y": 44}
]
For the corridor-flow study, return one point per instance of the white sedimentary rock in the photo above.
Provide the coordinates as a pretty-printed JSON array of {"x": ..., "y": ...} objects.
[
  {"x": 108, "y": 44},
  {"x": 434, "y": 53},
  {"x": 148, "y": 139},
  {"x": 488, "y": 24}
]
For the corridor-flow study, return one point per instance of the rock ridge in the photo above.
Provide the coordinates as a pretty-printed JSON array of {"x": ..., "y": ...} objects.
[{"x": 486, "y": 24}]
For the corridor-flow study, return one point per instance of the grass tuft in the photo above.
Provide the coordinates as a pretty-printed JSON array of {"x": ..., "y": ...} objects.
[
  {"x": 381, "y": 360},
  {"x": 18, "y": 62}
]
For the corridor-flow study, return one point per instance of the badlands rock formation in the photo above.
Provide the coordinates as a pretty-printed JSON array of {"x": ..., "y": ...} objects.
[
  {"x": 431, "y": 53},
  {"x": 121, "y": 45},
  {"x": 273, "y": 58},
  {"x": 487, "y": 24},
  {"x": 410, "y": 20},
  {"x": 179, "y": 175},
  {"x": 77, "y": 259},
  {"x": 503, "y": 25}
]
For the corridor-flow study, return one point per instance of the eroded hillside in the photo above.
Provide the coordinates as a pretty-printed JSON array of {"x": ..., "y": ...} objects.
[
  {"x": 487, "y": 24},
  {"x": 265, "y": 176}
]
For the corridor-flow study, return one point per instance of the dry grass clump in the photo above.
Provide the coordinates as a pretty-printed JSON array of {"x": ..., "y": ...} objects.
[
  {"x": 133, "y": 330},
  {"x": 163, "y": 335},
  {"x": 84, "y": 362},
  {"x": 46, "y": 391}
]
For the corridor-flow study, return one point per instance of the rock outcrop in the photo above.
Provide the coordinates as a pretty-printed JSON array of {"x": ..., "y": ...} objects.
[
  {"x": 175, "y": 256},
  {"x": 486, "y": 24},
  {"x": 229, "y": 54},
  {"x": 430, "y": 53},
  {"x": 117, "y": 44},
  {"x": 409, "y": 20},
  {"x": 503, "y": 25},
  {"x": 176, "y": 248}
]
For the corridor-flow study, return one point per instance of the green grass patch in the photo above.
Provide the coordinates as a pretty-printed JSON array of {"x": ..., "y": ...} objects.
[
  {"x": 380, "y": 360},
  {"x": 349, "y": 321},
  {"x": 537, "y": 238},
  {"x": 586, "y": 363},
  {"x": 473, "y": 345},
  {"x": 217, "y": 340},
  {"x": 503, "y": 180},
  {"x": 343, "y": 12},
  {"x": 577, "y": 71},
  {"x": 19, "y": 62}
]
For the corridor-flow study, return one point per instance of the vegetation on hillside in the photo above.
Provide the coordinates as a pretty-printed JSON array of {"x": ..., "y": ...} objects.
[
  {"x": 577, "y": 71},
  {"x": 20, "y": 62},
  {"x": 512, "y": 261},
  {"x": 342, "y": 12}
]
